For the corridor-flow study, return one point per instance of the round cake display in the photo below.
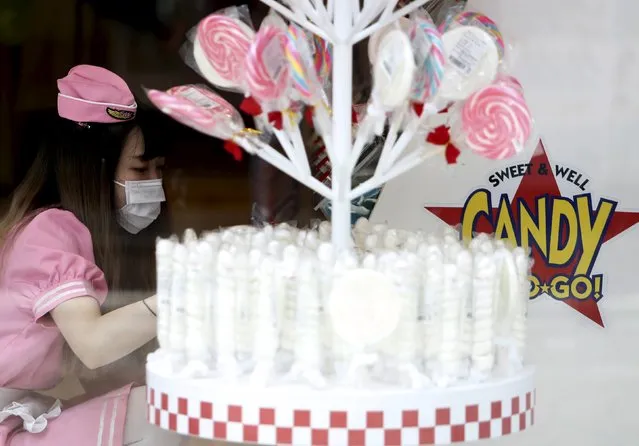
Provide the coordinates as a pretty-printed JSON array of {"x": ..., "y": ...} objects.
[
  {"x": 341, "y": 334},
  {"x": 274, "y": 320}
]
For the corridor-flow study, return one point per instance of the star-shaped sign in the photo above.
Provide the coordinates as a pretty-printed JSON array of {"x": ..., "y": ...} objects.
[{"x": 537, "y": 184}]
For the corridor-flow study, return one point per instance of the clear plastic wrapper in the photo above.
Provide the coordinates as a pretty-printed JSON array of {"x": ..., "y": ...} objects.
[{"x": 472, "y": 62}]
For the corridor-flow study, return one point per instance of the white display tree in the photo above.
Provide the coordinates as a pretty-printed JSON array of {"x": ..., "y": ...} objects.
[{"x": 344, "y": 23}]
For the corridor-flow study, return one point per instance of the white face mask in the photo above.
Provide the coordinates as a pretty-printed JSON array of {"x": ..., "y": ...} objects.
[{"x": 143, "y": 202}]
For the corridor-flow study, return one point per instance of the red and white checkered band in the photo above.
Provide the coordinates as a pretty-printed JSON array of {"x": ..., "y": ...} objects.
[{"x": 468, "y": 417}]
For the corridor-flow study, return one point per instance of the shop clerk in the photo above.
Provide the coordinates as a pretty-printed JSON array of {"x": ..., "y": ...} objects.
[{"x": 60, "y": 245}]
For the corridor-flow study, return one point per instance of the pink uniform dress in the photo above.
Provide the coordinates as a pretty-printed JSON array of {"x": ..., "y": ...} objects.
[{"x": 49, "y": 262}]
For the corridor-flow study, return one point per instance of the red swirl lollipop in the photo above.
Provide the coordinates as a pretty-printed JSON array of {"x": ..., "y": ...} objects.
[
  {"x": 220, "y": 49},
  {"x": 496, "y": 122},
  {"x": 267, "y": 69}
]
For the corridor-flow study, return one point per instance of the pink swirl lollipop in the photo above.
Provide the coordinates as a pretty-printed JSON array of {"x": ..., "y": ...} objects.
[
  {"x": 267, "y": 70},
  {"x": 224, "y": 42},
  {"x": 198, "y": 108},
  {"x": 496, "y": 122}
]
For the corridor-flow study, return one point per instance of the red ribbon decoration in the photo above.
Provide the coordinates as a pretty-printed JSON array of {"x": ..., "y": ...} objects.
[
  {"x": 251, "y": 107},
  {"x": 233, "y": 149},
  {"x": 441, "y": 137}
]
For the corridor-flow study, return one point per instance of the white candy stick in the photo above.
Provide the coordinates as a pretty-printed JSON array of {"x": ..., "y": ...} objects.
[
  {"x": 406, "y": 277},
  {"x": 177, "y": 340},
  {"x": 509, "y": 297},
  {"x": 266, "y": 331},
  {"x": 483, "y": 349},
  {"x": 164, "y": 259},
  {"x": 519, "y": 327},
  {"x": 196, "y": 350},
  {"x": 208, "y": 253},
  {"x": 464, "y": 283},
  {"x": 225, "y": 307},
  {"x": 449, "y": 354},
  {"x": 325, "y": 231},
  {"x": 307, "y": 348},
  {"x": 288, "y": 277},
  {"x": 341, "y": 351},
  {"x": 432, "y": 294},
  {"x": 189, "y": 236},
  {"x": 326, "y": 258},
  {"x": 243, "y": 303}
]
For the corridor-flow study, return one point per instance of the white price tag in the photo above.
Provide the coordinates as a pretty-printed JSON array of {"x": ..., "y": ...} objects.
[
  {"x": 198, "y": 98},
  {"x": 468, "y": 53}
]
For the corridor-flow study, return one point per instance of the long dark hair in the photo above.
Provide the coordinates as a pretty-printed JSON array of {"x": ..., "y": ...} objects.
[{"x": 74, "y": 170}]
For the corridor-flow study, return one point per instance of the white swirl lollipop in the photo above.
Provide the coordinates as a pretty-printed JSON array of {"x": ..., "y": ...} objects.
[
  {"x": 376, "y": 39},
  {"x": 393, "y": 70}
]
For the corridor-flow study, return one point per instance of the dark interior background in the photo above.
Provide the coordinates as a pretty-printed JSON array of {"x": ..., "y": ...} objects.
[{"x": 140, "y": 40}]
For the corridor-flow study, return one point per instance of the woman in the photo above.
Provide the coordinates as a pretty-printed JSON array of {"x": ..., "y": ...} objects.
[{"x": 63, "y": 248}]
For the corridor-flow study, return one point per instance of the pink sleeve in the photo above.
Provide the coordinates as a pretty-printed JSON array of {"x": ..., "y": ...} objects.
[{"x": 52, "y": 261}]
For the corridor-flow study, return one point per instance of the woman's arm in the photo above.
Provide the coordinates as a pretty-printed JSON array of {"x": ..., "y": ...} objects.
[{"x": 97, "y": 339}]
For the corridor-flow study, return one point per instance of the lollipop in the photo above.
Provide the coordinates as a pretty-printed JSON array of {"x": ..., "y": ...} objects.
[
  {"x": 198, "y": 108},
  {"x": 299, "y": 57},
  {"x": 220, "y": 49},
  {"x": 375, "y": 40},
  {"x": 429, "y": 54},
  {"x": 322, "y": 58},
  {"x": 267, "y": 72},
  {"x": 480, "y": 21},
  {"x": 472, "y": 62},
  {"x": 393, "y": 70},
  {"x": 496, "y": 122}
]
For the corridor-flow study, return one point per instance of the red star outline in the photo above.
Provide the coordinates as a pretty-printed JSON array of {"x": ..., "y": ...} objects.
[{"x": 532, "y": 186}]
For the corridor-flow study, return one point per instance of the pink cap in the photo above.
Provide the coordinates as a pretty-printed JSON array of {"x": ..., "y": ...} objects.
[{"x": 94, "y": 94}]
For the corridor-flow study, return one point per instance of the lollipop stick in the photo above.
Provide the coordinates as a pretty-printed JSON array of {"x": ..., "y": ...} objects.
[
  {"x": 286, "y": 143},
  {"x": 331, "y": 8},
  {"x": 398, "y": 147},
  {"x": 323, "y": 122},
  {"x": 391, "y": 138},
  {"x": 364, "y": 134},
  {"x": 299, "y": 149},
  {"x": 361, "y": 35},
  {"x": 326, "y": 34},
  {"x": 273, "y": 157},
  {"x": 409, "y": 162}
]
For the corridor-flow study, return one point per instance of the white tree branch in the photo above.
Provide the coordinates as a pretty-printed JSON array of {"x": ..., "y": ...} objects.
[
  {"x": 407, "y": 163},
  {"x": 361, "y": 35},
  {"x": 276, "y": 159},
  {"x": 326, "y": 34}
]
